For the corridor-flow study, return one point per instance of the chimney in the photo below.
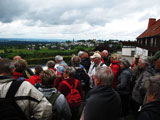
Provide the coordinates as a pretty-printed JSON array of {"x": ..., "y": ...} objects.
[{"x": 151, "y": 22}]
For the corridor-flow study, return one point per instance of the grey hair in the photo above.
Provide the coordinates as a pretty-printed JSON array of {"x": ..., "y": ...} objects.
[
  {"x": 70, "y": 71},
  {"x": 105, "y": 74},
  {"x": 153, "y": 86},
  {"x": 80, "y": 53},
  {"x": 50, "y": 64},
  {"x": 58, "y": 57},
  {"x": 75, "y": 60},
  {"x": 145, "y": 60}
]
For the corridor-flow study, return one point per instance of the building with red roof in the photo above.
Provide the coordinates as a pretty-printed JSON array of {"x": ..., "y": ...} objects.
[{"x": 150, "y": 38}]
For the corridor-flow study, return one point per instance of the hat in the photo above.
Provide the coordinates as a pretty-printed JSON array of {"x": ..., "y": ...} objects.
[
  {"x": 125, "y": 62},
  {"x": 137, "y": 55},
  {"x": 96, "y": 55},
  {"x": 155, "y": 57}
]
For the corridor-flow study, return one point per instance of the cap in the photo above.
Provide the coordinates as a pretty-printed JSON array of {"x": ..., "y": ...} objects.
[{"x": 96, "y": 55}]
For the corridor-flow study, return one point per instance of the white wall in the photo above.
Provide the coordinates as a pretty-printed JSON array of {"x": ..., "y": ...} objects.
[{"x": 127, "y": 51}]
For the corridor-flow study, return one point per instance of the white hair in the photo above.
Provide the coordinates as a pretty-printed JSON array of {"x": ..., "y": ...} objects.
[
  {"x": 105, "y": 74},
  {"x": 58, "y": 57},
  {"x": 80, "y": 53}
]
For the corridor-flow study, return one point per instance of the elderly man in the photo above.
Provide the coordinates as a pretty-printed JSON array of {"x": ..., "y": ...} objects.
[
  {"x": 96, "y": 58},
  {"x": 102, "y": 102},
  {"x": 85, "y": 61},
  {"x": 139, "y": 90},
  {"x": 151, "y": 110},
  {"x": 105, "y": 57},
  {"x": 156, "y": 62},
  {"x": 28, "y": 100}
]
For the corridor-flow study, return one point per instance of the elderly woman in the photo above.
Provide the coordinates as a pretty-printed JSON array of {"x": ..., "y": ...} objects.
[
  {"x": 63, "y": 111},
  {"x": 102, "y": 102},
  {"x": 139, "y": 89},
  {"x": 124, "y": 85},
  {"x": 151, "y": 110},
  {"x": 51, "y": 65},
  {"x": 115, "y": 68},
  {"x": 65, "y": 87}
]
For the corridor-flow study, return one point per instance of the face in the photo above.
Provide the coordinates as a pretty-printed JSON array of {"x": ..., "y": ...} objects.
[
  {"x": 65, "y": 75},
  {"x": 122, "y": 66},
  {"x": 140, "y": 64},
  {"x": 95, "y": 60},
  {"x": 96, "y": 80},
  {"x": 157, "y": 64}
]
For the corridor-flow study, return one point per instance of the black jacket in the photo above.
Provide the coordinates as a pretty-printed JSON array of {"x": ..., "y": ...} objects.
[
  {"x": 150, "y": 111},
  {"x": 102, "y": 103}
]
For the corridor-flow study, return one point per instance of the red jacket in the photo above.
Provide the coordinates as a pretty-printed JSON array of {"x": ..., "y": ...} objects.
[
  {"x": 34, "y": 79},
  {"x": 16, "y": 75},
  {"x": 116, "y": 70},
  {"x": 63, "y": 88}
]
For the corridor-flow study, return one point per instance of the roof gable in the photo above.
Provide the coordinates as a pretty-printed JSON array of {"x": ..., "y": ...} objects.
[{"x": 153, "y": 30}]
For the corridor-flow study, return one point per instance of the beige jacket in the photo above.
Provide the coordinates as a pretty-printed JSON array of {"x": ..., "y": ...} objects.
[{"x": 41, "y": 110}]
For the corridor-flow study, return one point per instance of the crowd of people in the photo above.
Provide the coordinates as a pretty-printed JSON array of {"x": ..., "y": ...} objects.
[{"x": 92, "y": 86}]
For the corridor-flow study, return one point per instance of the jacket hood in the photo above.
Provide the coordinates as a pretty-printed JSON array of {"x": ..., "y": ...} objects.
[
  {"x": 152, "y": 106},
  {"x": 47, "y": 91}
]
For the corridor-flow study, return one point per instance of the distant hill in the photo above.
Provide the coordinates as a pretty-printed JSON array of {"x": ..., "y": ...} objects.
[{"x": 31, "y": 40}]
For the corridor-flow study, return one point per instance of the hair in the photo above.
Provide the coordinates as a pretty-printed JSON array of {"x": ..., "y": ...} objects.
[
  {"x": 114, "y": 57},
  {"x": 145, "y": 60},
  {"x": 58, "y": 57},
  {"x": 70, "y": 71},
  {"x": 153, "y": 86},
  {"x": 125, "y": 62},
  {"x": 50, "y": 64},
  {"x": 6, "y": 65},
  {"x": 75, "y": 60},
  {"x": 48, "y": 77},
  {"x": 38, "y": 69},
  {"x": 20, "y": 65},
  {"x": 80, "y": 53},
  {"x": 105, "y": 74}
]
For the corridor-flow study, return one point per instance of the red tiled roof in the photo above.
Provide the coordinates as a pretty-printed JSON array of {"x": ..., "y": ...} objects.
[{"x": 153, "y": 30}]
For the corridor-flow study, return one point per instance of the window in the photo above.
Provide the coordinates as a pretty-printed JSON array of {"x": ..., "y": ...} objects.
[
  {"x": 155, "y": 42},
  {"x": 151, "y": 42},
  {"x": 141, "y": 41},
  {"x": 146, "y": 42}
]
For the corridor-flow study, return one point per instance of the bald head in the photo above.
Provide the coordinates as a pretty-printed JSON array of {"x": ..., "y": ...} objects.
[
  {"x": 17, "y": 58},
  {"x": 104, "y": 53}
]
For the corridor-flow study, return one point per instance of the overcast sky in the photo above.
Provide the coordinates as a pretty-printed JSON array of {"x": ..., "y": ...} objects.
[{"x": 78, "y": 19}]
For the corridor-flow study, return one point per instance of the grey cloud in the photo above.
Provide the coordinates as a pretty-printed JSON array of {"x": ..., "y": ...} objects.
[{"x": 11, "y": 10}]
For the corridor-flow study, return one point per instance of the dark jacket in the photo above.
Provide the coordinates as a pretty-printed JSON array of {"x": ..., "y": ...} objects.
[
  {"x": 102, "y": 103},
  {"x": 150, "y": 111},
  {"x": 139, "y": 89},
  {"x": 124, "y": 81}
]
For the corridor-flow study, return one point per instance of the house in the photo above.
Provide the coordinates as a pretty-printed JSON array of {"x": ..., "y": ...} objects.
[
  {"x": 150, "y": 38},
  {"x": 129, "y": 48}
]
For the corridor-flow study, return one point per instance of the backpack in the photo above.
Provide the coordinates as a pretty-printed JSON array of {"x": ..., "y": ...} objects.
[
  {"x": 83, "y": 77},
  {"x": 9, "y": 110},
  {"x": 52, "y": 100},
  {"x": 74, "y": 98}
]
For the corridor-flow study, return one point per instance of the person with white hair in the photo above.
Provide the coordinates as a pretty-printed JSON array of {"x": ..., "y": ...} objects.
[
  {"x": 96, "y": 58},
  {"x": 60, "y": 64},
  {"x": 85, "y": 60},
  {"x": 102, "y": 102},
  {"x": 139, "y": 89},
  {"x": 151, "y": 110},
  {"x": 105, "y": 57}
]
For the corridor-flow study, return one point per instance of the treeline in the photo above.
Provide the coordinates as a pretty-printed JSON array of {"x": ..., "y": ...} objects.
[{"x": 41, "y": 56}]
